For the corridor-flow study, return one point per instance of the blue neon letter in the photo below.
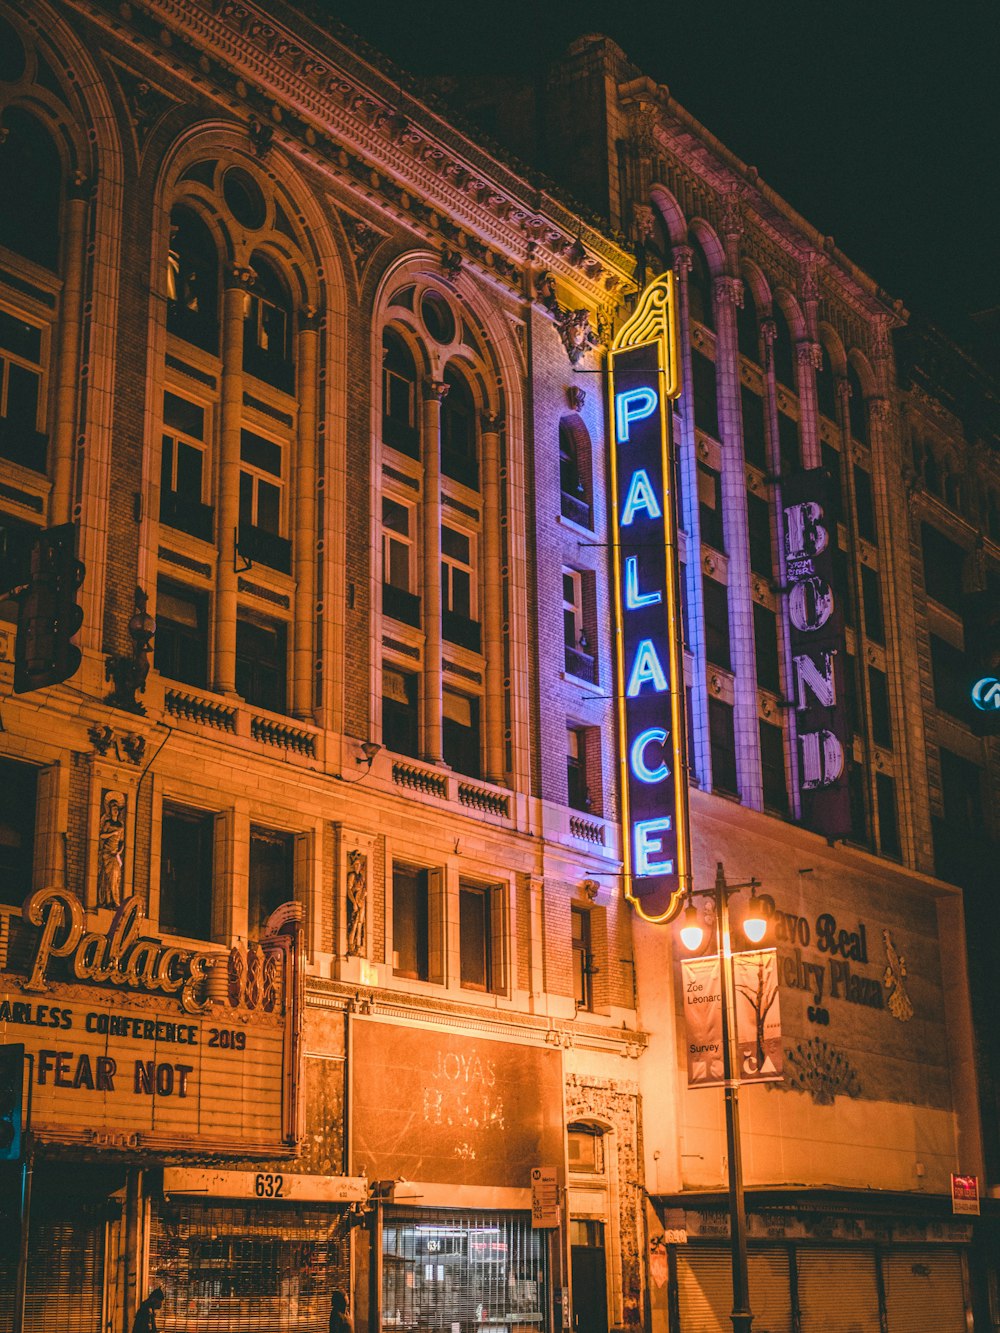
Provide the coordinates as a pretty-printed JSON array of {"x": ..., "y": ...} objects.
[
  {"x": 633, "y": 405},
  {"x": 646, "y": 667},
  {"x": 633, "y": 597},
  {"x": 637, "y": 758},
  {"x": 646, "y": 843},
  {"x": 640, "y": 496}
]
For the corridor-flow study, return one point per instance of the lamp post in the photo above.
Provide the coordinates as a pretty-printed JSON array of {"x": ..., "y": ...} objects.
[{"x": 692, "y": 934}]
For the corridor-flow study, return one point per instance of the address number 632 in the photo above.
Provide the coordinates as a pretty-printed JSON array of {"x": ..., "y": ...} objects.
[{"x": 268, "y": 1186}]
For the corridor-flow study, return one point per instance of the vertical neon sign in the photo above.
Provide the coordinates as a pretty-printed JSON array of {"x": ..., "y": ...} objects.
[{"x": 643, "y": 377}]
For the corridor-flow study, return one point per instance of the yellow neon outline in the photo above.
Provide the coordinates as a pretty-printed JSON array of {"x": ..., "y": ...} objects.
[{"x": 654, "y": 322}]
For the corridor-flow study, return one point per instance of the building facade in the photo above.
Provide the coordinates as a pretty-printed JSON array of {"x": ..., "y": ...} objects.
[
  {"x": 310, "y": 866},
  {"x": 825, "y": 581},
  {"x": 319, "y": 882}
]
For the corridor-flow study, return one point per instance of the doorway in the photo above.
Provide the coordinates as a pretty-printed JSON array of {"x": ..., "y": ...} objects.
[{"x": 589, "y": 1276}]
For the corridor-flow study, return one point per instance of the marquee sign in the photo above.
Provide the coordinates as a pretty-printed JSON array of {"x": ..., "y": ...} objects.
[
  {"x": 139, "y": 1044},
  {"x": 644, "y": 376},
  {"x": 816, "y": 624}
]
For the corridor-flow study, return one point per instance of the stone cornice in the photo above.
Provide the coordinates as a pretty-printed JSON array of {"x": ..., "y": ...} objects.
[{"x": 329, "y": 105}]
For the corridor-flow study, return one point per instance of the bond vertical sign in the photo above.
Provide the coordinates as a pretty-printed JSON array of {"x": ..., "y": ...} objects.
[
  {"x": 816, "y": 624},
  {"x": 643, "y": 378}
]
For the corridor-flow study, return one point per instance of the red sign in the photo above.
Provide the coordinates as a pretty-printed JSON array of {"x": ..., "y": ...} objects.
[{"x": 965, "y": 1195}]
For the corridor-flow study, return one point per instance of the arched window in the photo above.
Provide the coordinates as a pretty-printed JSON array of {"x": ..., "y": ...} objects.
[
  {"x": 29, "y": 163},
  {"x": 585, "y": 1144},
  {"x": 459, "y": 459},
  {"x": 399, "y": 396},
  {"x": 192, "y": 281},
  {"x": 574, "y": 469},
  {"x": 700, "y": 288},
  {"x": 857, "y": 407},
  {"x": 826, "y": 387},
  {"x": 784, "y": 368},
  {"x": 747, "y": 326},
  {"x": 267, "y": 328}
]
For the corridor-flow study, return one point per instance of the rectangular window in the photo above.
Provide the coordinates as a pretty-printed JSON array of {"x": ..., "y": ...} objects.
[
  {"x": 583, "y": 959},
  {"x": 574, "y": 470},
  {"x": 578, "y": 657},
  {"x": 857, "y": 791},
  {"x": 17, "y": 830},
  {"x": 21, "y": 397},
  {"x": 183, "y": 468},
  {"x": 706, "y": 402},
  {"x": 754, "y": 435},
  {"x": 459, "y": 612},
  {"x": 262, "y": 663},
  {"x": 460, "y": 723},
  {"x": 962, "y": 793},
  {"x": 272, "y": 875},
  {"x": 722, "y": 738},
  {"x": 878, "y": 692},
  {"x": 888, "y": 819},
  {"x": 399, "y": 597},
  {"x": 788, "y": 443},
  {"x": 578, "y": 792},
  {"x": 765, "y": 634},
  {"x": 759, "y": 520},
  {"x": 864, "y": 504},
  {"x": 186, "y": 872},
  {"x": 262, "y": 501},
  {"x": 772, "y": 759},
  {"x": 842, "y": 583},
  {"x": 411, "y": 923},
  {"x": 479, "y": 937},
  {"x": 180, "y": 647},
  {"x": 400, "y": 727},
  {"x": 710, "y": 507},
  {"x": 716, "y": 599},
  {"x": 950, "y": 670},
  {"x": 834, "y": 500},
  {"x": 17, "y": 541},
  {"x": 944, "y": 562},
  {"x": 871, "y": 597}
]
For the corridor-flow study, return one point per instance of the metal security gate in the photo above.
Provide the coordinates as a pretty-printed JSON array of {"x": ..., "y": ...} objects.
[
  {"x": 705, "y": 1290},
  {"x": 924, "y": 1291},
  {"x": 838, "y": 1291},
  {"x": 444, "y": 1271},
  {"x": 243, "y": 1268}
]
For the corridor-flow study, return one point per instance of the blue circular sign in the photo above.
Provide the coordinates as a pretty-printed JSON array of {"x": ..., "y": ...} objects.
[{"x": 986, "y": 694}]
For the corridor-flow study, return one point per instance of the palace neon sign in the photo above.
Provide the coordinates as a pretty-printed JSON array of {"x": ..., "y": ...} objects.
[{"x": 644, "y": 376}]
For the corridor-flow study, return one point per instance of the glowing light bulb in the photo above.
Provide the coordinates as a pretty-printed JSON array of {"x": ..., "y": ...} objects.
[
  {"x": 754, "y": 923},
  {"x": 692, "y": 931}
]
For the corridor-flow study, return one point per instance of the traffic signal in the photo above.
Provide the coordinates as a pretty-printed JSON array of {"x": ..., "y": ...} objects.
[
  {"x": 11, "y": 1101},
  {"x": 48, "y": 614}
]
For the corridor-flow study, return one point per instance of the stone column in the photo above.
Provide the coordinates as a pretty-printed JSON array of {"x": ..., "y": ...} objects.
[
  {"x": 809, "y": 358},
  {"x": 237, "y": 283},
  {"x": 304, "y": 526},
  {"x": 435, "y": 392},
  {"x": 66, "y": 354},
  {"x": 729, "y": 295},
  {"x": 492, "y": 583},
  {"x": 687, "y": 519}
]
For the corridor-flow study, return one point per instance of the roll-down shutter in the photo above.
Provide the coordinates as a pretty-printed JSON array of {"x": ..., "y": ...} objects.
[
  {"x": 924, "y": 1291},
  {"x": 838, "y": 1292},
  {"x": 705, "y": 1290},
  {"x": 65, "y": 1287}
]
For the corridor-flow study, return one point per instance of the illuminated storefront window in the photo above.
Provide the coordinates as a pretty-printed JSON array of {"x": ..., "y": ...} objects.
[{"x": 445, "y": 1271}]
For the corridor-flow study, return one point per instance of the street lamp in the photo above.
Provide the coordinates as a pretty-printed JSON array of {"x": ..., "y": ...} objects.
[{"x": 692, "y": 934}]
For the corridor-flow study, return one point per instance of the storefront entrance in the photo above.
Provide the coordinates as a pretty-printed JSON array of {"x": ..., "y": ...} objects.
[
  {"x": 445, "y": 1272},
  {"x": 235, "y": 1268}
]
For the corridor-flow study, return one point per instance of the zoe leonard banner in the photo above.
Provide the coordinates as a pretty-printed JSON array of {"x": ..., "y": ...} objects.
[{"x": 758, "y": 1018}]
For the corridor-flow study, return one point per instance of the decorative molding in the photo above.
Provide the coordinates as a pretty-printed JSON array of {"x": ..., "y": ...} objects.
[
  {"x": 576, "y": 397},
  {"x": 728, "y": 291},
  {"x": 898, "y": 1001},
  {"x": 576, "y": 334},
  {"x": 362, "y": 239}
]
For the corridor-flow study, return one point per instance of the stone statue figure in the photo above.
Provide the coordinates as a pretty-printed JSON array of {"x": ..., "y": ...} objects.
[
  {"x": 111, "y": 850},
  {"x": 357, "y": 902}
]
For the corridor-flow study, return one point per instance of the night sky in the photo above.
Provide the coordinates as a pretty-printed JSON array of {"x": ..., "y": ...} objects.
[{"x": 879, "y": 123}]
